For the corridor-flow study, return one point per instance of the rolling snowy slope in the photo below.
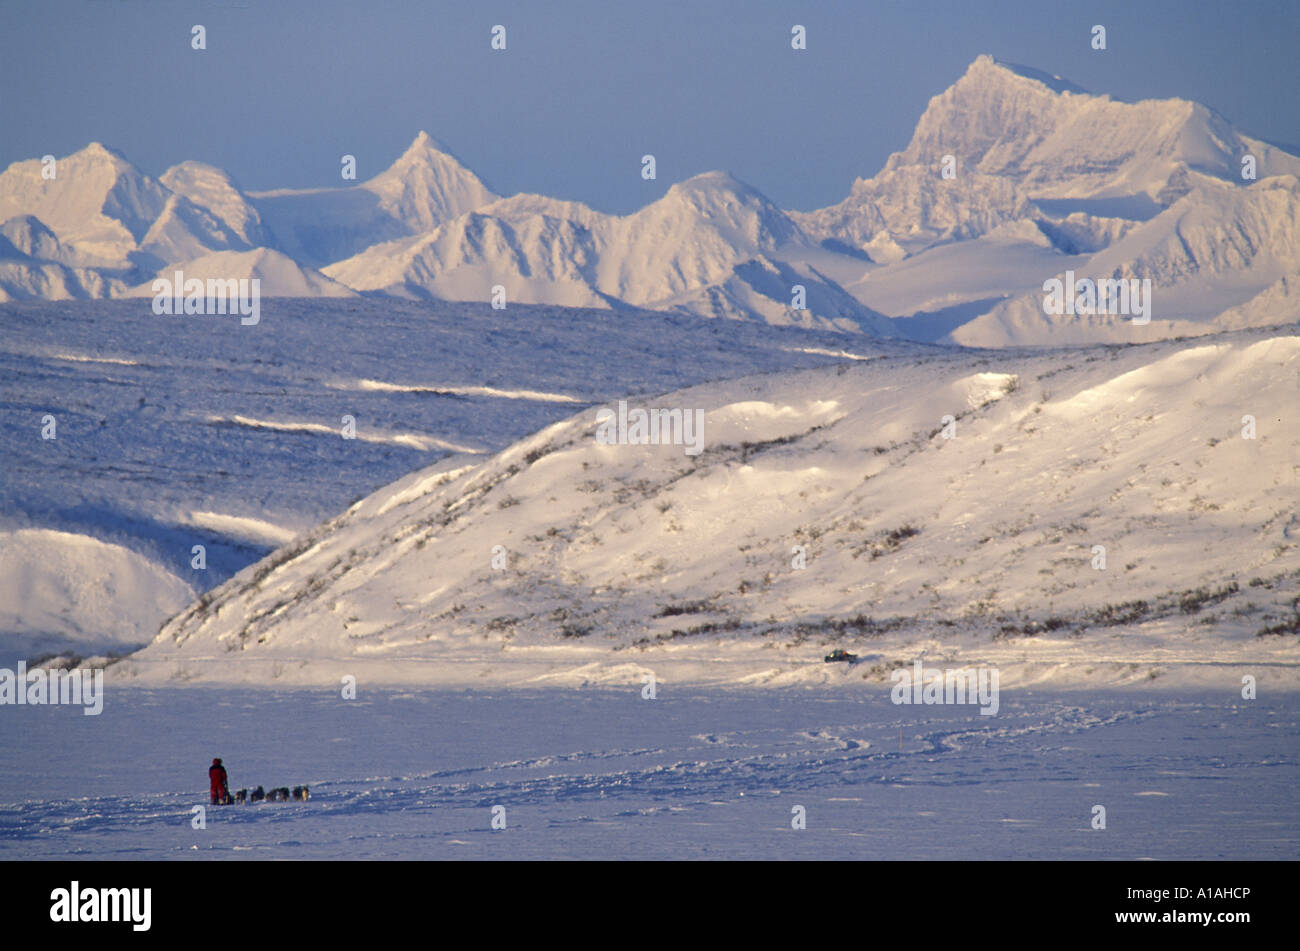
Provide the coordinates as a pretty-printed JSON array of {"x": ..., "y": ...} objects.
[
  {"x": 277, "y": 275},
  {"x": 828, "y": 507},
  {"x": 66, "y": 592},
  {"x": 177, "y": 431}
]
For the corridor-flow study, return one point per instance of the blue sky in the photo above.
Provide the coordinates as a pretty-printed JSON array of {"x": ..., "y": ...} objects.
[{"x": 585, "y": 88}]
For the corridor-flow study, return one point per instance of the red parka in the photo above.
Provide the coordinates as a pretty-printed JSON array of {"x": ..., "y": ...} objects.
[{"x": 217, "y": 780}]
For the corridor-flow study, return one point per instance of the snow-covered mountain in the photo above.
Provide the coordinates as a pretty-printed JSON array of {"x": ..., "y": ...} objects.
[
  {"x": 1025, "y": 142},
  {"x": 702, "y": 248},
  {"x": 26, "y": 279},
  {"x": 1214, "y": 259},
  {"x": 27, "y": 236},
  {"x": 98, "y": 204},
  {"x": 217, "y": 193},
  {"x": 35, "y": 265},
  {"x": 538, "y": 259},
  {"x": 1012, "y": 177},
  {"x": 425, "y": 187},
  {"x": 102, "y": 228},
  {"x": 760, "y": 287},
  {"x": 1104, "y": 182},
  {"x": 691, "y": 238},
  {"x": 184, "y": 231},
  {"x": 902, "y": 506}
]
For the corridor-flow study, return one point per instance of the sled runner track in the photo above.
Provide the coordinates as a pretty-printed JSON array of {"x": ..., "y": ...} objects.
[
  {"x": 538, "y": 762},
  {"x": 1066, "y": 721},
  {"x": 39, "y": 818}
]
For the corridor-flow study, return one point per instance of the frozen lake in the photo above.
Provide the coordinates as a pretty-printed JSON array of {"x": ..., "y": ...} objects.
[{"x": 603, "y": 773}]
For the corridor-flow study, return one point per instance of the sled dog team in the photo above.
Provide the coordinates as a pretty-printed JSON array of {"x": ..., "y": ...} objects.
[{"x": 220, "y": 792}]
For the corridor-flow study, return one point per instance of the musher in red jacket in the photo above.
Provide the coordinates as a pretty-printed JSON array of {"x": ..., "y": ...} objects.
[{"x": 217, "y": 783}]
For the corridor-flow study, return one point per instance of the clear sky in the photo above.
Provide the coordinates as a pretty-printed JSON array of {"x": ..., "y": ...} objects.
[{"x": 584, "y": 89}]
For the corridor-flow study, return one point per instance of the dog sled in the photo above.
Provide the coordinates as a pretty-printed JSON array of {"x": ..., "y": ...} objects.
[{"x": 275, "y": 794}]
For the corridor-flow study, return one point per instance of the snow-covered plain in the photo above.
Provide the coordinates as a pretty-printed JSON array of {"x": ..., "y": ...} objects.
[{"x": 605, "y": 774}]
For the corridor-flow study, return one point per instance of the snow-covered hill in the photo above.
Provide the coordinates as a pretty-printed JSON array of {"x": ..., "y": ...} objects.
[
  {"x": 177, "y": 431},
  {"x": 63, "y": 592},
  {"x": 279, "y": 275},
  {"x": 828, "y": 508}
]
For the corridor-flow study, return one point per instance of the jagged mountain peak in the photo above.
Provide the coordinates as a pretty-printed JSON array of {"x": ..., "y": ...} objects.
[
  {"x": 98, "y": 151},
  {"x": 424, "y": 154},
  {"x": 427, "y": 185},
  {"x": 424, "y": 188},
  {"x": 1005, "y": 141},
  {"x": 422, "y": 148},
  {"x": 1005, "y": 119},
  {"x": 986, "y": 67}
]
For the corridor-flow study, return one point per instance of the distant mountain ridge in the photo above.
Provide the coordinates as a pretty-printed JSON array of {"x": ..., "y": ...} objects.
[{"x": 1006, "y": 156}]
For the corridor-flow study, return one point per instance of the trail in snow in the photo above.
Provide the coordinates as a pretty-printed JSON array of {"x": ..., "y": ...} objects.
[{"x": 710, "y": 774}]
